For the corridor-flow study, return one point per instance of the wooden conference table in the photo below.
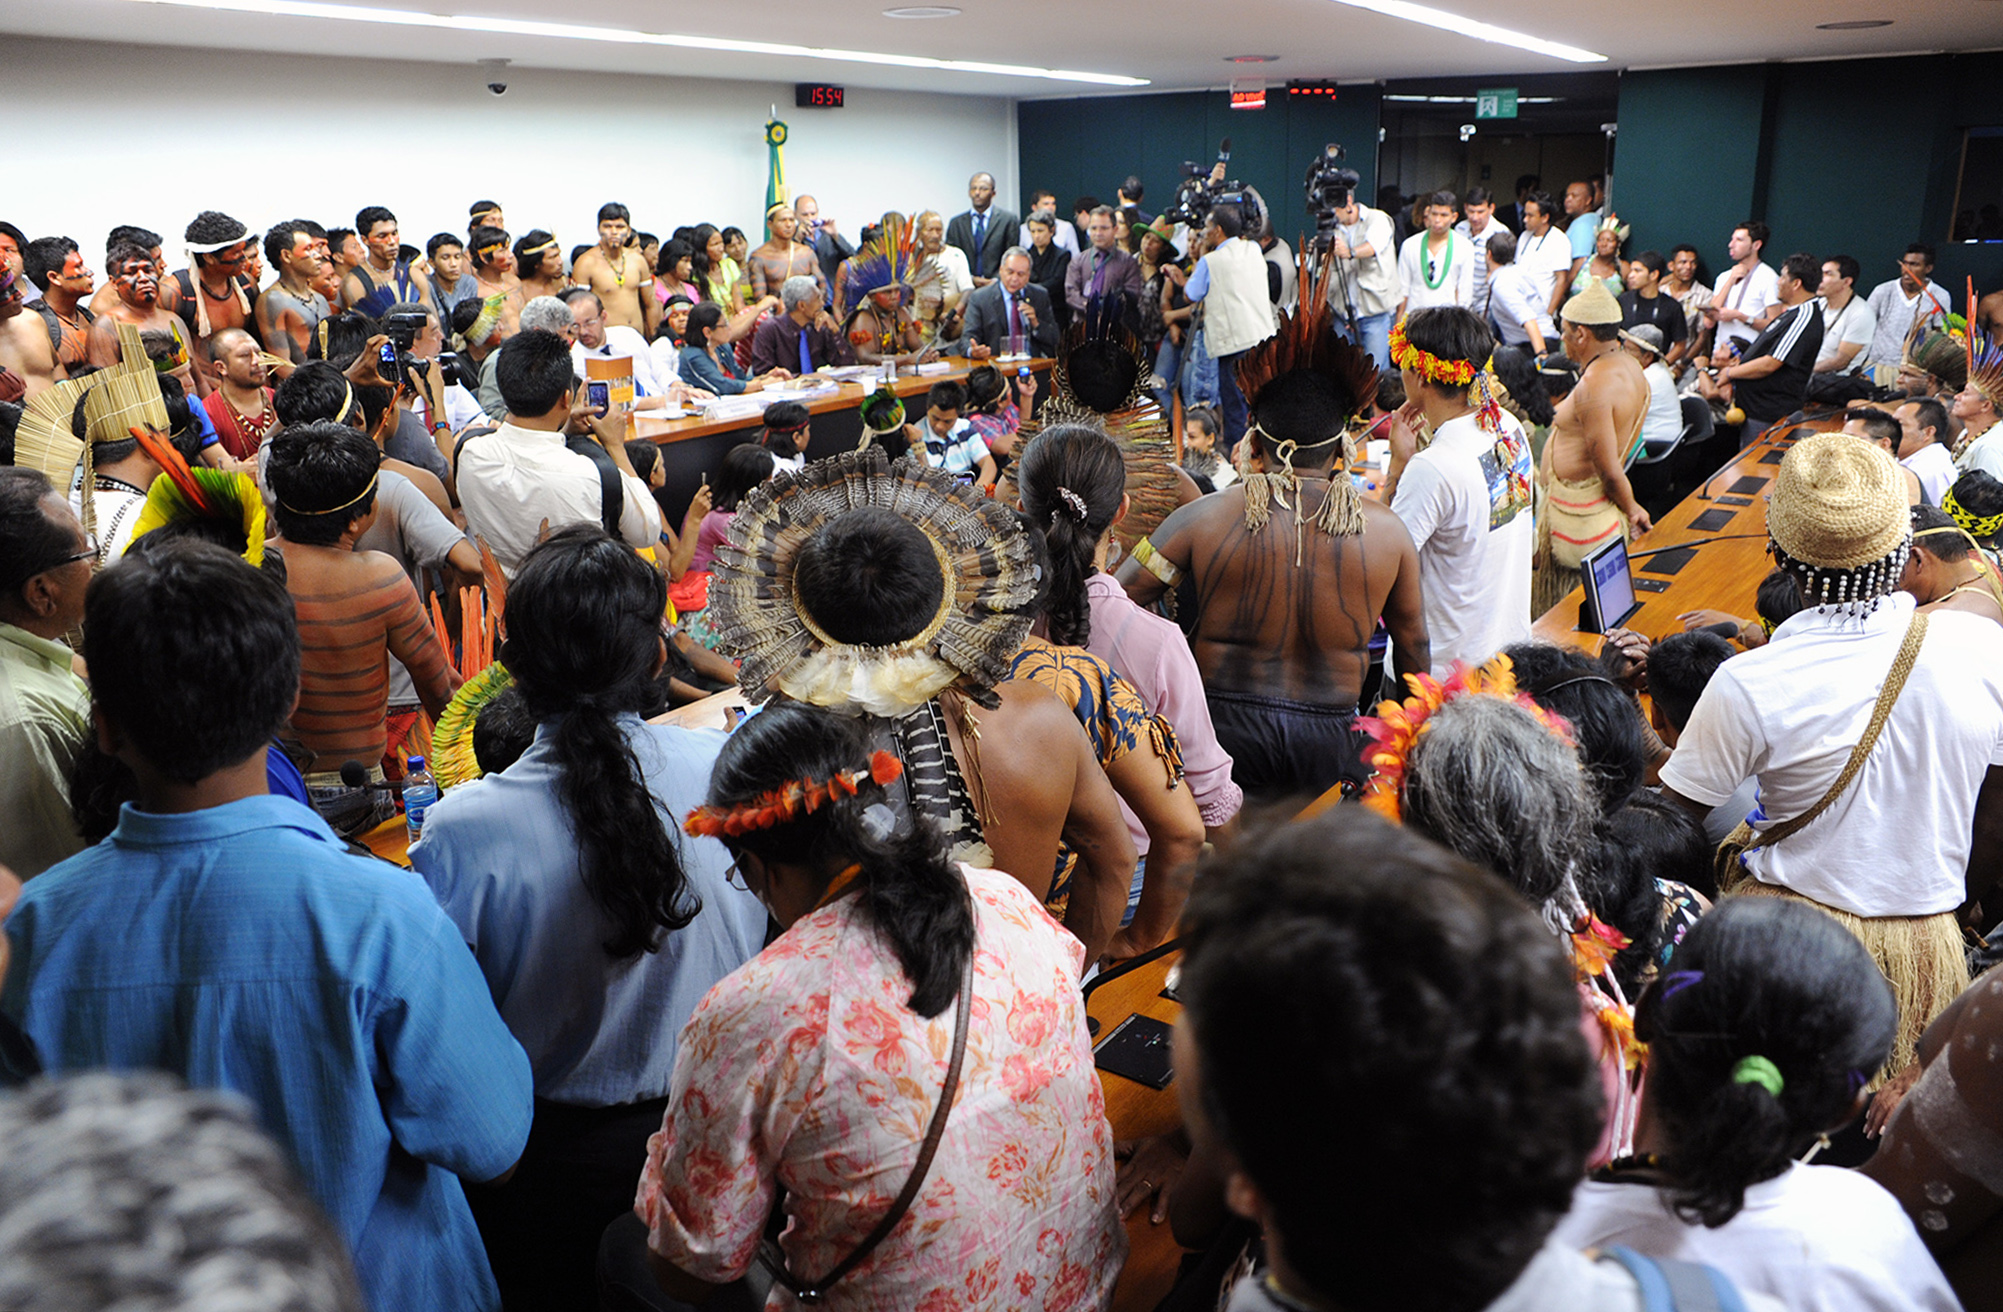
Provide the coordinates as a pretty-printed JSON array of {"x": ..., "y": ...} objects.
[{"x": 695, "y": 446}]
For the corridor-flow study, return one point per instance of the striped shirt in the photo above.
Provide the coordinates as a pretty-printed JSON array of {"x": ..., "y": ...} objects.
[{"x": 346, "y": 635}]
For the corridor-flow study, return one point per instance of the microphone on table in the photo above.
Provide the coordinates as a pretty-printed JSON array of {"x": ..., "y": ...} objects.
[
  {"x": 356, "y": 775},
  {"x": 1693, "y": 542}
]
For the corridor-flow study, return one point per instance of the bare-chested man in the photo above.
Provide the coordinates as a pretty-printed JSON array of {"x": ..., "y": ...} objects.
[
  {"x": 781, "y": 257},
  {"x": 1945, "y": 570},
  {"x": 539, "y": 266},
  {"x": 219, "y": 290},
  {"x": 1291, "y": 570},
  {"x": 380, "y": 267},
  {"x": 28, "y": 364},
  {"x": 493, "y": 262},
  {"x": 146, "y": 238},
  {"x": 290, "y": 309},
  {"x": 618, "y": 275},
  {"x": 55, "y": 265},
  {"x": 1582, "y": 484},
  {"x": 135, "y": 274}
]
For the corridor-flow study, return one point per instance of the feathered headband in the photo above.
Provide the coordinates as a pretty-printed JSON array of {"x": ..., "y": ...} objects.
[
  {"x": 790, "y": 800},
  {"x": 887, "y": 263},
  {"x": 180, "y": 495},
  {"x": 1453, "y": 373}
]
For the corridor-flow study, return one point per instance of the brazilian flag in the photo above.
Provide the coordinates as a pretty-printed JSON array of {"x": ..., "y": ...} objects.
[{"x": 775, "y": 155}]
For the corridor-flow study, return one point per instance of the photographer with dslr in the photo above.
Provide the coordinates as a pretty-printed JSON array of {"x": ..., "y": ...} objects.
[{"x": 1229, "y": 282}]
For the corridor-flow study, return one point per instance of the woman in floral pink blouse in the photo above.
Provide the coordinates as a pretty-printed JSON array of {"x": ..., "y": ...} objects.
[{"x": 809, "y": 1077}]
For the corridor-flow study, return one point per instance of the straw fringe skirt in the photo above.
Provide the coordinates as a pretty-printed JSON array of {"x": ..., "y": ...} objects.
[{"x": 1921, "y": 956}]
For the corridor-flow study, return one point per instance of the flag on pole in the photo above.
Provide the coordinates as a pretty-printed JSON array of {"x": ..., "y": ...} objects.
[{"x": 775, "y": 153}]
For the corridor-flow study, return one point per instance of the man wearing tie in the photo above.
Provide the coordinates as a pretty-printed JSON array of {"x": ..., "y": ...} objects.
[
  {"x": 1104, "y": 269},
  {"x": 983, "y": 232},
  {"x": 803, "y": 337},
  {"x": 1011, "y": 310}
]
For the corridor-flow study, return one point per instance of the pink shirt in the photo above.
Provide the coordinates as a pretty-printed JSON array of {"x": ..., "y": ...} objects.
[
  {"x": 1153, "y": 655},
  {"x": 806, "y": 1068},
  {"x": 710, "y": 535}
]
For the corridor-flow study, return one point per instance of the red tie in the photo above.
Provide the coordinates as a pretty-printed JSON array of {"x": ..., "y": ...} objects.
[{"x": 1014, "y": 316}]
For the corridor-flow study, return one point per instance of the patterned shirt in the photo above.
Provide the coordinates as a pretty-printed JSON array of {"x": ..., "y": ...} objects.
[{"x": 807, "y": 1069}]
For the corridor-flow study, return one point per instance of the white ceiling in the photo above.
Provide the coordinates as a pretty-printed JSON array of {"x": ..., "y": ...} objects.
[{"x": 1172, "y": 45}]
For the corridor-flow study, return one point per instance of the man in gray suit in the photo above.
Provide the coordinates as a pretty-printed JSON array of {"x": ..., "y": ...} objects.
[
  {"x": 983, "y": 232},
  {"x": 1010, "y": 307}
]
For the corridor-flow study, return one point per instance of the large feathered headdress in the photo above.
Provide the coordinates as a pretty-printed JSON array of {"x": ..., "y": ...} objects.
[
  {"x": 887, "y": 262},
  {"x": 1306, "y": 342},
  {"x": 1100, "y": 379},
  {"x": 984, "y": 554},
  {"x": 183, "y": 495}
]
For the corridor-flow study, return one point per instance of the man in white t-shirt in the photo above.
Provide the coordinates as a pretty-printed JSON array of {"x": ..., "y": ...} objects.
[
  {"x": 1916, "y": 833},
  {"x": 1923, "y": 446},
  {"x": 1739, "y": 303},
  {"x": 1436, "y": 266},
  {"x": 1465, "y": 499},
  {"x": 1895, "y": 304},
  {"x": 1516, "y": 298},
  {"x": 1848, "y": 325},
  {"x": 1544, "y": 252},
  {"x": 1478, "y": 227},
  {"x": 1662, "y": 422}
]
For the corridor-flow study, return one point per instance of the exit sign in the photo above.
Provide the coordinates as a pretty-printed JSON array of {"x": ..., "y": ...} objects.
[{"x": 1497, "y": 102}]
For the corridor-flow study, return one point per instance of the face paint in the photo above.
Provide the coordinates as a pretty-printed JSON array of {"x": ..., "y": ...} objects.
[
  {"x": 76, "y": 277},
  {"x": 139, "y": 282}
]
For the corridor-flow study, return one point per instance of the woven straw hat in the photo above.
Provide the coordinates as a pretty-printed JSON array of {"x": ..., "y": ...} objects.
[
  {"x": 1838, "y": 503},
  {"x": 1594, "y": 305}
]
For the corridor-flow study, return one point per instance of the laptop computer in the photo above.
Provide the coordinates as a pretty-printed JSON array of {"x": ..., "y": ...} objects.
[{"x": 1608, "y": 581}]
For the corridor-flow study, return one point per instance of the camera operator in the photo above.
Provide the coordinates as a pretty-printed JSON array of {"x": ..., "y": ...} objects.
[
  {"x": 434, "y": 407},
  {"x": 1367, "y": 266},
  {"x": 1229, "y": 282}
]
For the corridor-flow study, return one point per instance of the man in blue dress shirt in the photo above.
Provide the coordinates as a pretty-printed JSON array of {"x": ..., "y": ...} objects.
[{"x": 227, "y": 936}]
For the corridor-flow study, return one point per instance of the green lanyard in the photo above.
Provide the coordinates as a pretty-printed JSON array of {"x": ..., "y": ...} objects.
[{"x": 1426, "y": 264}]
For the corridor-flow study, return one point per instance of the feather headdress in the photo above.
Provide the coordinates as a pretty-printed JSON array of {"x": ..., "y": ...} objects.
[
  {"x": 888, "y": 262},
  {"x": 1100, "y": 379},
  {"x": 123, "y": 402},
  {"x": 1985, "y": 366},
  {"x": 985, "y": 556},
  {"x": 1307, "y": 343},
  {"x": 183, "y": 495}
]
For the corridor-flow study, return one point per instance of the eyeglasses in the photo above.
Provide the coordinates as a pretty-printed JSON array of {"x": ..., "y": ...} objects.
[
  {"x": 89, "y": 552},
  {"x": 734, "y": 876}
]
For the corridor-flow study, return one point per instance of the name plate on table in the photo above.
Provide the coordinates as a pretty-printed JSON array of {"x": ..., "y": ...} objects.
[
  {"x": 734, "y": 407},
  {"x": 935, "y": 367}
]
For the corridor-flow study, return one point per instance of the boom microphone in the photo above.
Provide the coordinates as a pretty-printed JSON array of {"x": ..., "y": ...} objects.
[{"x": 356, "y": 775}]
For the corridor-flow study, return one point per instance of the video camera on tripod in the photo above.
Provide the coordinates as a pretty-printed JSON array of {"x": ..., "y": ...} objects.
[
  {"x": 1201, "y": 189},
  {"x": 1331, "y": 186}
]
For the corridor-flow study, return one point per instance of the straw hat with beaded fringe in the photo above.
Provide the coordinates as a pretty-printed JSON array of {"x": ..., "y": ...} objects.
[{"x": 1839, "y": 509}]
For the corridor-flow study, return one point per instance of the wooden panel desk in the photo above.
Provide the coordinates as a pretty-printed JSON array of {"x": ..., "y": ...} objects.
[
  {"x": 1719, "y": 575},
  {"x": 1136, "y": 1110},
  {"x": 694, "y": 446}
]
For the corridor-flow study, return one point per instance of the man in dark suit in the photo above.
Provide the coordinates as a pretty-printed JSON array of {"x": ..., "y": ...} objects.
[
  {"x": 1012, "y": 305},
  {"x": 830, "y": 247},
  {"x": 983, "y": 232}
]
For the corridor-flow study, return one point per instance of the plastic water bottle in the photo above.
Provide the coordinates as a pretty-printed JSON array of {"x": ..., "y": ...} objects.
[{"x": 419, "y": 792}]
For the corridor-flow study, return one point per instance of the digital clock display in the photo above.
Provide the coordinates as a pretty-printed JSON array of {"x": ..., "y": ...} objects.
[{"x": 817, "y": 95}]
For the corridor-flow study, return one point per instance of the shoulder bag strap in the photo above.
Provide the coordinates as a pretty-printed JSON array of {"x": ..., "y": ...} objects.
[
  {"x": 1902, "y": 666},
  {"x": 811, "y": 1293}
]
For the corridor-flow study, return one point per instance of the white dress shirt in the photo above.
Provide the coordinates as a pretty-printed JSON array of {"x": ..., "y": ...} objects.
[
  {"x": 514, "y": 478},
  {"x": 621, "y": 343}
]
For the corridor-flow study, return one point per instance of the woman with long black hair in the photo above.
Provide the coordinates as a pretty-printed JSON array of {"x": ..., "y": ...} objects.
[
  {"x": 905, "y": 994},
  {"x": 1073, "y": 484},
  {"x": 1761, "y": 1039},
  {"x": 597, "y": 927}
]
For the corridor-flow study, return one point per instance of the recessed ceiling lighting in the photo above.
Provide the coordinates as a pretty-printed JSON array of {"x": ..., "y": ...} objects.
[
  {"x": 1251, "y": 59},
  {"x": 1853, "y": 25},
  {"x": 631, "y": 37},
  {"x": 1480, "y": 31},
  {"x": 922, "y": 11}
]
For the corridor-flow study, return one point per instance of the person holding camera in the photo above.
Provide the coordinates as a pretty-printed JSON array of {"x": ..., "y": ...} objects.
[
  {"x": 1365, "y": 286},
  {"x": 1229, "y": 282}
]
